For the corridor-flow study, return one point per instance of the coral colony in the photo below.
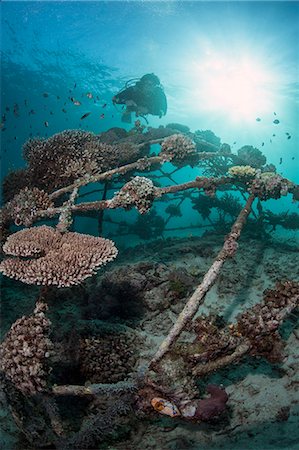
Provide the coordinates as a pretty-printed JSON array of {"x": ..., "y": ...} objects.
[{"x": 106, "y": 373}]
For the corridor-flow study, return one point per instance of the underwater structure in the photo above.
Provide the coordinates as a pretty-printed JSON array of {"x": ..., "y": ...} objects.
[{"x": 96, "y": 358}]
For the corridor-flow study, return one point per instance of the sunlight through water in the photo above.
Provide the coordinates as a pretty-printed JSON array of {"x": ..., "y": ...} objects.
[{"x": 240, "y": 89}]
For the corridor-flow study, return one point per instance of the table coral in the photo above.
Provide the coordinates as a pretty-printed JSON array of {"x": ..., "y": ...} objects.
[{"x": 59, "y": 259}]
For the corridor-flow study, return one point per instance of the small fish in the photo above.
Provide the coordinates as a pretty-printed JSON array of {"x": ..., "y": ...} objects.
[
  {"x": 274, "y": 113},
  {"x": 15, "y": 138},
  {"x": 104, "y": 105},
  {"x": 273, "y": 135},
  {"x": 263, "y": 143},
  {"x": 7, "y": 109},
  {"x": 51, "y": 112},
  {"x": 258, "y": 119},
  {"x": 234, "y": 143},
  {"x": 85, "y": 115},
  {"x": 276, "y": 121},
  {"x": 64, "y": 104},
  {"x": 46, "y": 124},
  {"x": 280, "y": 160},
  {"x": 76, "y": 102},
  {"x": 3, "y": 118},
  {"x": 97, "y": 97},
  {"x": 57, "y": 96},
  {"x": 64, "y": 110},
  {"x": 45, "y": 94},
  {"x": 16, "y": 110},
  {"x": 75, "y": 85},
  {"x": 287, "y": 133},
  {"x": 289, "y": 137},
  {"x": 89, "y": 95},
  {"x": 31, "y": 112},
  {"x": 271, "y": 141},
  {"x": 293, "y": 158},
  {"x": 25, "y": 102},
  {"x": 102, "y": 116}
]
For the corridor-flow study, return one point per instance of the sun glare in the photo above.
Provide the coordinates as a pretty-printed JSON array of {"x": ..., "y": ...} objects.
[{"x": 239, "y": 89}]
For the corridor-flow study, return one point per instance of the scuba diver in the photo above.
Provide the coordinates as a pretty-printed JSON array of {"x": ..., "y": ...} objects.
[{"x": 146, "y": 96}]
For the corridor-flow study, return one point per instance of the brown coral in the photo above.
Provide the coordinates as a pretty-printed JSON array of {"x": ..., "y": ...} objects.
[
  {"x": 25, "y": 349},
  {"x": 179, "y": 149},
  {"x": 260, "y": 323},
  {"x": 66, "y": 156},
  {"x": 108, "y": 358},
  {"x": 139, "y": 192},
  {"x": 268, "y": 185},
  {"x": 59, "y": 259},
  {"x": 25, "y": 205}
]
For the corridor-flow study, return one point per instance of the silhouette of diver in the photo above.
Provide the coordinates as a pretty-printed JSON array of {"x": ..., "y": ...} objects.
[{"x": 144, "y": 97}]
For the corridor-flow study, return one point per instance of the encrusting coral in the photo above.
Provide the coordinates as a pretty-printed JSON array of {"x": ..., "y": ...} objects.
[
  {"x": 57, "y": 259},
  {"x": 108, "y": 358},
  {"x": 243, "y": 173},
  {"x": 268, "y": 185},
  {"x": 25, "y": 350},
  {"x": 179, "y": 149},
  {"x": 138, "y": 192}
]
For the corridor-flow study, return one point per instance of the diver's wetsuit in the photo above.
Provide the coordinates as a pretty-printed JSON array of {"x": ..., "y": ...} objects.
[{"x": 143, "y": 98}]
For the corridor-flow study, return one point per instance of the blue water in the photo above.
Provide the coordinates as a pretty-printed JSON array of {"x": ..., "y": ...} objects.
[
  {"x": 223, "y": 65},
  {"x": 65, "y": 49}
]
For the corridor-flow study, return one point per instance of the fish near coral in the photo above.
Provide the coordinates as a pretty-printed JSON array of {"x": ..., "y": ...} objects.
[{"x": 165, "y": 407}]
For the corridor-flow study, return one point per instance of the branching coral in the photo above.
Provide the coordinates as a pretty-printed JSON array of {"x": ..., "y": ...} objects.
[
  {"x": 25, "y": 349},
  {"x": 255, "y": 332},
  {"x": 173, "y": 211},
  {"x": 206, "y": 140},
  {"x": 252, "y": 156},
  {"x": 260, "y": 323},
  {"x": 149, "y": 226},
  {"x": 24, "y": 206},
  {"x": 57, "y": 259},
  {"x": 71, "y": 154},
  {"x": 284, "y": 219}
]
